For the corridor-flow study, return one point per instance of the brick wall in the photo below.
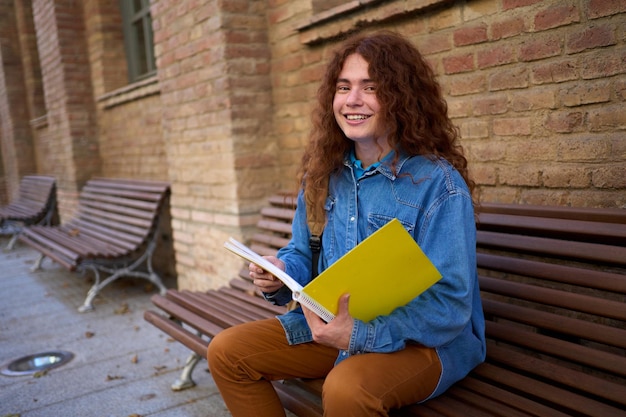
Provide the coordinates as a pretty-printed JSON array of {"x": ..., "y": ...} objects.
[
  {"x": 17, "y": 141},
  {"x": 72, "y": 146},
  {"x": 537, "y": 89},
  {"x": 213, "y": 61}
]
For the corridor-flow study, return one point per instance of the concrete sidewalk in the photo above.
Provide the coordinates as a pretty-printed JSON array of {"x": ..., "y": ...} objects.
[{"x": 122, "y": 366}]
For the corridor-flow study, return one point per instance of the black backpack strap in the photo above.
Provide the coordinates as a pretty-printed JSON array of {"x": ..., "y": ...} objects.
[{"x": 315, "y": 243}]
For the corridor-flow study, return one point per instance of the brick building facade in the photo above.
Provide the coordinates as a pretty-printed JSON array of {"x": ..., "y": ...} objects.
[{"x": 537, "y": 89}]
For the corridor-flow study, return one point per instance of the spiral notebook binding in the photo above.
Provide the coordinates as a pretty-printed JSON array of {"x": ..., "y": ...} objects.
[{"x": 314, "y": 306}]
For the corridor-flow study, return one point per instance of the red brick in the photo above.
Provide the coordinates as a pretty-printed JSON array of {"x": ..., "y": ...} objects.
[
  {"x": 514, "y": 4},
  {"x": 540, "y": 48},
  {"x": 495, "y": 55},
  {"x": 466, "y": 84},
  {"x": 607, "y": 118},
  {"x": 587, "y": 93},
  {"x": 565, "y": 176},
  {"x": 556, "y": 16},
  {"x": 512, "y": 126},
  {"x": 474, "y": 129},
  {"x": 611, "y": 176},
  {"x": 604, "y": 64},
  {"x": 555, "y": 72},
  {"x": 583, "y": 148},
  {"x": 492, "y": 104},
  {"x": 459, "y": 63},
  {"x": 602, "y": 8},
  {"x": 507, "y": 28},
  {"x": 533, "y": 99},
  {"x": 590, "y": 38},
  {"x": 509, "y": 79},
  {"x": 565, "y": 122},
  {"x": 523, "y": 174},
  {"x": 436, "y": 42},
  {"x": 620, "y": 89},
  {"x": 470, "y": 36}
]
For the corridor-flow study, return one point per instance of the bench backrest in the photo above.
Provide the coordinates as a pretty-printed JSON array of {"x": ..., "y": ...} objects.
[
  {"x": 35, "y": 202},
  {"x": 121, "y": 212},
  {"x": 553, "y": 281}
]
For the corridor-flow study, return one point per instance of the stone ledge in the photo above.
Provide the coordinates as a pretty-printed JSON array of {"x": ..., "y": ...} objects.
[
  {"x": 346, "y": 18},
  {"x": 131, "y": 92}
]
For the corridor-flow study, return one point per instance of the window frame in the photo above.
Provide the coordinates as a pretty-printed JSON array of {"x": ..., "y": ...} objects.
[{"x": 133, "y": 46}]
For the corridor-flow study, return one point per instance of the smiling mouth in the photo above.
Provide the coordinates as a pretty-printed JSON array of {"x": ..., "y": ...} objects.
[{"x": 356, "y": 116}]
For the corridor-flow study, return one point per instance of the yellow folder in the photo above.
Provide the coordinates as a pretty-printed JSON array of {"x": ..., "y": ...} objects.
[{"x": 387, "y": 270}]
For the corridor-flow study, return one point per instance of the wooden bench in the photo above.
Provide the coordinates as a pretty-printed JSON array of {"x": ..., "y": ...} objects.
[
  {"x": 115, "y": 231},
  {"x": 36, "y": 203},
  {"x": 553, "y": 281}
]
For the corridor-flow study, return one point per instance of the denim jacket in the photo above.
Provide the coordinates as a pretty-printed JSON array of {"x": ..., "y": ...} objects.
[{"x": 431, "y": 200}]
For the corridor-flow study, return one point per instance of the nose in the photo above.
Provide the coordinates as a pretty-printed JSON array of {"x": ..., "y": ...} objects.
[{"x": 354, "y": 98}]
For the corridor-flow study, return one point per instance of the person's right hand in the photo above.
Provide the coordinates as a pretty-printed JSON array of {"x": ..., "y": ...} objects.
[{"x": 265, "y": 281}]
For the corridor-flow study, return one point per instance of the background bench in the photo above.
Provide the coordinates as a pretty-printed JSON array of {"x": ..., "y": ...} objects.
[
  {"x": 36, "y": 203},
  {"x": 553, "y": 281},
  {"x": 115, "y": 231}
]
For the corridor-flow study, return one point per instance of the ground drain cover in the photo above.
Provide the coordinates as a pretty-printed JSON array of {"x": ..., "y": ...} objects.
[{"x": 38, "y": 362}]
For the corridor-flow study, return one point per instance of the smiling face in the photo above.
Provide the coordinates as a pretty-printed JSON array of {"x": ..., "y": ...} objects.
[{"x": 356, "y": 109}]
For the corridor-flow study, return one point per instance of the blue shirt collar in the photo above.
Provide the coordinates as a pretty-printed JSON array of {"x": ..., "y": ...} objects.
[{"x": 359, "y": 171}]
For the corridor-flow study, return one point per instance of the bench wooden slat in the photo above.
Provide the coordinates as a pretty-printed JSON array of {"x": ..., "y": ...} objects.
[
  {"x": 117, "y": 238},
  {"x": 596, "y": 332},
  {"x": 554, "y": 297},
  {"x": 509, "y": 398},
  {"x": 479, "y": 401},
  {"x": 584, "y": 355},
  {"x": 553, "y": 247},
  {"x": 569, "y": 229},
  {"x": 550, "y": 394},
  {"x": 600, "y": 279},
  {"x": 293, "y": 401},
  {"x": 190, "y": 340},
  {"x": 76, "y": 243},
  {"x": 37, "y": 245},
  {"x": 120, "y": 201},
  {"x": 33, "y": 234},
  {"x": 599, "y": 387},
  {"x": 600, "y": 215},
  {"x": 119, "y": 219}
]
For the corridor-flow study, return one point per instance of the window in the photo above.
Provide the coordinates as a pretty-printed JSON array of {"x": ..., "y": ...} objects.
[{"x": 138, "y": 38}]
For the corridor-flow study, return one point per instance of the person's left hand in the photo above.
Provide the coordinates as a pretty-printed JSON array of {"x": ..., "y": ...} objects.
[{"x": 336, "y": 333}]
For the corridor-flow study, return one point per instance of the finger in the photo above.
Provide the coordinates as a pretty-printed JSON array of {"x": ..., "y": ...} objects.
[{"x": 344, "y": 304}]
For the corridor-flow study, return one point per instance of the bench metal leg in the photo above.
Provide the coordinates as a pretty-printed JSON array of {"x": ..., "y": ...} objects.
[
  {"x": 128, "y": 271},
  {"x": 12, "y": 241},
  {"x": 38, "y": 262},
  {"x": 185, "y": 381}
]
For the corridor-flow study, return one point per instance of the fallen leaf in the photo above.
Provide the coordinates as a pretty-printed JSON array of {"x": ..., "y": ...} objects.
[
  {"x": 122, "y": 309},
  {"x": 39, "y": 374}
]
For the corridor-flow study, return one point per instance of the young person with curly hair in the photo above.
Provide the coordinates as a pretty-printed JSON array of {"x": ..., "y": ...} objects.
[{"x": 381, "y": 147}]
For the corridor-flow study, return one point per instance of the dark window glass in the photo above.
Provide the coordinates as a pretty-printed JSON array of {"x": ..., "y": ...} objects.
[{"x": 138, "y": 38}]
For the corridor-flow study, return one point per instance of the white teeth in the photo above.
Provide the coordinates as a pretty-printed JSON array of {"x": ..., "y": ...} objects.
[{"x": 356, "y": 117}]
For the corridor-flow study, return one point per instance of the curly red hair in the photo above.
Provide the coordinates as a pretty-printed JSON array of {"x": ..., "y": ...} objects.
[{"x": 414, "y": 113}]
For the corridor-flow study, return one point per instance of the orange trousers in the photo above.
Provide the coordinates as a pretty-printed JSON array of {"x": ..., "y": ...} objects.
[{"x": 245, "y": 358}]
